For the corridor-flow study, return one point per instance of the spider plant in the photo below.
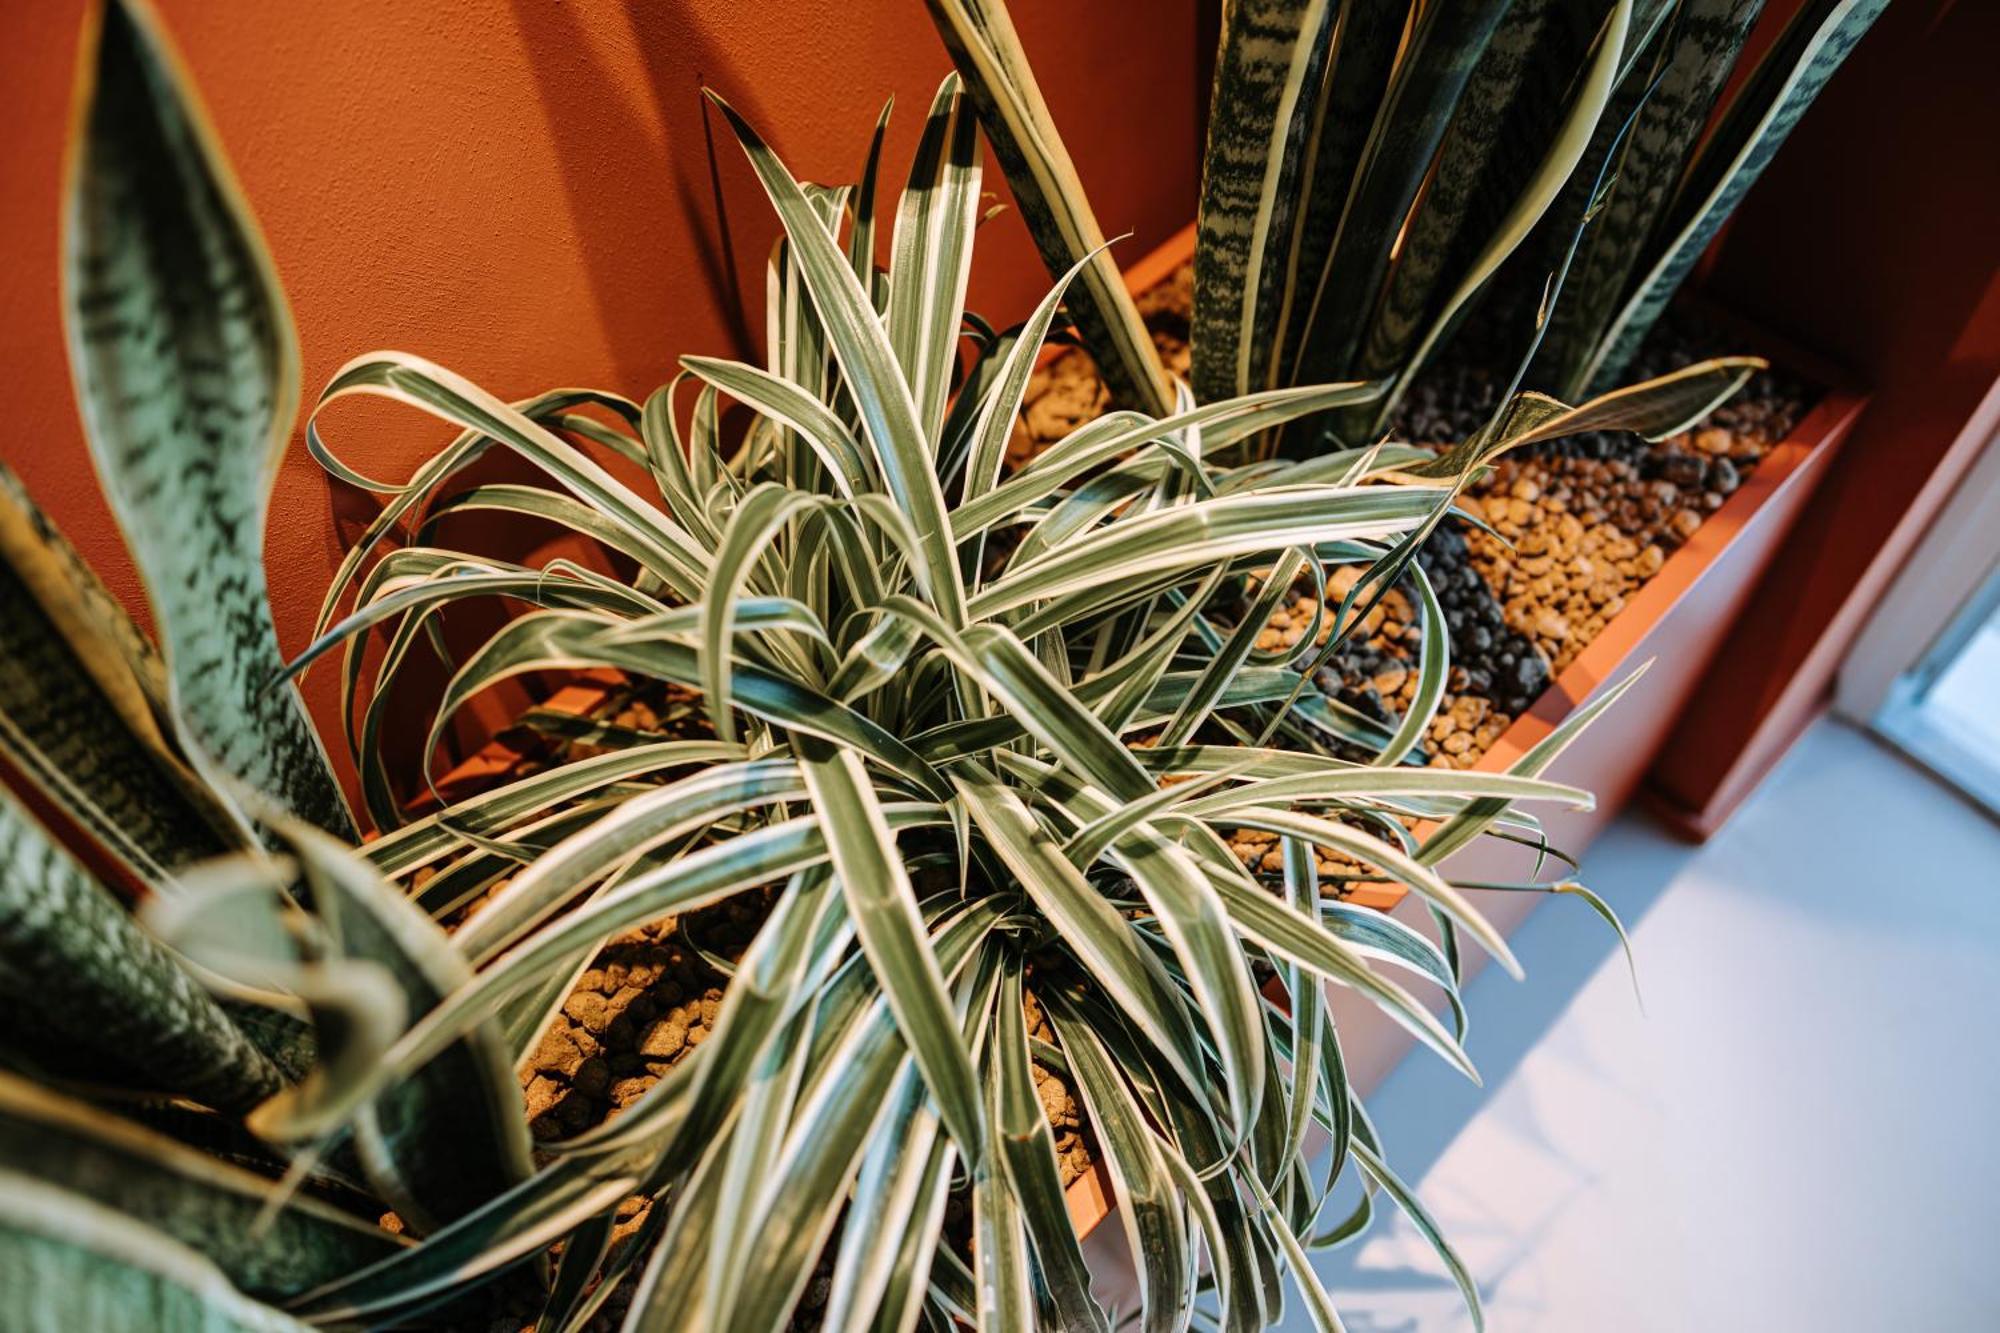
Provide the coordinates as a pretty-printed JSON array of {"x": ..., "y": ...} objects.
[
  {"x": 1374, "y": 166},
  {"x": 983, "y": 735},
  {"x": 989, "y": 734}
]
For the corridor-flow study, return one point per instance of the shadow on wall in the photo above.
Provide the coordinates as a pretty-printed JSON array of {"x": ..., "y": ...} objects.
[
  {"x": 535, "y": 194},
  {"x": 606, "y": 127}
]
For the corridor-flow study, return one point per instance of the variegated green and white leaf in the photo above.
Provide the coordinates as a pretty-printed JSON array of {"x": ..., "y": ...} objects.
[{"x": 981, "y": 38}]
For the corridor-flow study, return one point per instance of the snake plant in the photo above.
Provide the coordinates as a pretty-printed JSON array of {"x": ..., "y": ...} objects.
[
  {"x": 978, "y": 737},
  {"x": 1374, "y": 167}
]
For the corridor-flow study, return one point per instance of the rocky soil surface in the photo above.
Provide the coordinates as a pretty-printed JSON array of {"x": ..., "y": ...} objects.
[{"x": 1578, "y": 526}]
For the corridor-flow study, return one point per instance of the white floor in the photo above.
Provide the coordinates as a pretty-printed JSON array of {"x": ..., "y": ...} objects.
[{"x": 1796, "y": 1135}]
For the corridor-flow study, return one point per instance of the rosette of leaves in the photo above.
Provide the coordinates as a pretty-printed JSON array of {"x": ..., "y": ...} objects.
[{"x": 986, "y": 734}]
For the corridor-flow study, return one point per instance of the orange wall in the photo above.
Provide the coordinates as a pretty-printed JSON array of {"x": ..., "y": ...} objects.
[
  {"x": 530, "y": 192},
  {"x": 1874, "y": 238}
]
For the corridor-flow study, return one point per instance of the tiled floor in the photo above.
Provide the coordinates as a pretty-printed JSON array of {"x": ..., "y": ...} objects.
[{"x": 1797, "y": 1135}]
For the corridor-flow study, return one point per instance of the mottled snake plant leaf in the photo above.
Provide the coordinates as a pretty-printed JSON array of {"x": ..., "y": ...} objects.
[
  {"x": 1701, "y": 48},
  {"x": 1265, "y": 112},
  {"x": 981, "y": 38},
  {"x": 82, "y": 695},
  {"x": 1367, "y": 37},
  {"x": 1518, "y": 136},
  {"x": 1444, "y": 46},
  {"x": 1752, "y": 128},
  {"x": 77, "y": 971},
  {"x": 270, "y": 1246},
  {"x": 187, "y": 375},
  {"x": 67, "y": 1262}
]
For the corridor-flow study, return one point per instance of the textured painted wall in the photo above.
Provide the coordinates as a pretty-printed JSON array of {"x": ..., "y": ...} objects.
[{"x": 531, "y": 193}]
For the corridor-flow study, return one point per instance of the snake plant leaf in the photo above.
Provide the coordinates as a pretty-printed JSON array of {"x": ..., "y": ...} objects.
[
  {"x": 187, "y": 374},
  {"x": 1444, "y": 46},
  {"x": 1753, "y": 126},
  {"x": 1270, "y": 79},
  {"x": 1700, "y": 50},
  {"x": 67, "y": 1262},
  {"x": 980, "y": 36},
  {"x": 1390, "y": 344},
  {"x": 931, "y": 254},
  {"x": 1367, "y": 38},
  {"x": 79, "y": 972},
  {"x": 1524, "y": 284},
  {"x": 1503, "y": 119},
  {"x": 81, "y": 698},
  {"x": 270, "y": 1246}
]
